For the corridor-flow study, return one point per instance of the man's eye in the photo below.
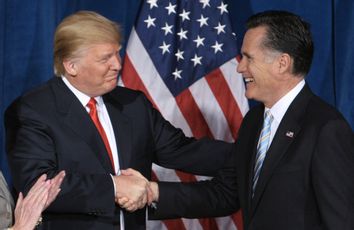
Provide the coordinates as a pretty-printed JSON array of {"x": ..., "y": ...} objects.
[
  {"x": 248, "y": 58},
  {"x": 103, "y": 60}
]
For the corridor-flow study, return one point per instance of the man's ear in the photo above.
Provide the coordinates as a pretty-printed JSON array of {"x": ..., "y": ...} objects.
[
  {"x": 70, "y": 67},
  {"x": 284, "y": 63}
]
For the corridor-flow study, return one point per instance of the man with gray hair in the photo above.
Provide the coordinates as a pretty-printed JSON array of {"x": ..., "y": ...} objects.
[{"x": 294, "y": 163}]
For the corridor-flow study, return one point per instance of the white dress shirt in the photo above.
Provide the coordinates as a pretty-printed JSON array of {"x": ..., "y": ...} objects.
[{"x": 279, "y": 109}]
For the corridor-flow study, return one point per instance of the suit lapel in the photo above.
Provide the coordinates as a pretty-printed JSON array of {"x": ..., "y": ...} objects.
[
  {"x": 76, "y": 118},
  {"x": 122, "y": 129},
  {"x": 287, "y": 131}
]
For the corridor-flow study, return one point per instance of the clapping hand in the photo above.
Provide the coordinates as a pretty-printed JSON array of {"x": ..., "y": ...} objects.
[{"x": 29, "y": 209}]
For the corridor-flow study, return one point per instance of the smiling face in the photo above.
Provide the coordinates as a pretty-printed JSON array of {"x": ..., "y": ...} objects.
[
  {"x": 261, "y": 69},
  {"x": 95, "y": 70}
]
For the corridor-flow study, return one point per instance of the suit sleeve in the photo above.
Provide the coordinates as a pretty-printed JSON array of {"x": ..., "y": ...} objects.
[
  {"x": 333, "y": 173},
  {"x": 32, "y": 151},
  {"x": 217, "y": 197},
  {"x": 176, "y": 151}
]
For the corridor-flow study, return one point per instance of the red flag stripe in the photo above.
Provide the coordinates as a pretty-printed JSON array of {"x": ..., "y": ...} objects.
[
  {"x": 175, "y": 224},
  {"x": 192, "y": 114},
  {"x": 225, "y": 99},
  {"x": 208, "y": 223},
  {"x": 237, "y": 218}
]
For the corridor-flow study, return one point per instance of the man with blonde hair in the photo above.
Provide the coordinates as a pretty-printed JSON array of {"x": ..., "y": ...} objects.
[{"x": 81, "y": 122}]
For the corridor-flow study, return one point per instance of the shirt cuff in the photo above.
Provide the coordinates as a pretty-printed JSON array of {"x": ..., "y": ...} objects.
[{"x": 114, "y": 185}]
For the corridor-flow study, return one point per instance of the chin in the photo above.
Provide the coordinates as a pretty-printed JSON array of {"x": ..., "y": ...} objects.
[
  {"x": 248, "y": 94},
  {"x": 108, "y": 88}
]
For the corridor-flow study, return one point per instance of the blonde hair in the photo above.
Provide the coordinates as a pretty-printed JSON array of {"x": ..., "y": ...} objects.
[{"x": 77, "y": 32}]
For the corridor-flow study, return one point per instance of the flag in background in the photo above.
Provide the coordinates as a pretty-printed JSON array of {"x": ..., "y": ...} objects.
[{"x": 182, "y": 55}]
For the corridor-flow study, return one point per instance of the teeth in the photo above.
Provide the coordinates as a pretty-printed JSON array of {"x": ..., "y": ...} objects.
[{"x": 248, "y": 80}]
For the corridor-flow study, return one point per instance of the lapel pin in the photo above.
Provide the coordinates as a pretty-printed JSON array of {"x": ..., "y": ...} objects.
[{"x": 289, "y": 134}]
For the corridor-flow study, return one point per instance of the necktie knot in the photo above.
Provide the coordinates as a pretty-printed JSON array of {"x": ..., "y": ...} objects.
[
  {"x": 92, "y": 103},
  {"x": 92, "y": 106},
  {"x": 268, "y": 118}
]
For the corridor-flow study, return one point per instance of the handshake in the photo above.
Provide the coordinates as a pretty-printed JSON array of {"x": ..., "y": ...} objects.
[{"x": 134, "y": 191}]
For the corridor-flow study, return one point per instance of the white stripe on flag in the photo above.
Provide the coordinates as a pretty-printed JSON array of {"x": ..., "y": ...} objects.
[
  {"x": 155, "y": 224},
  {"x": 225, "y": 223},
  {"x": 164, "y": 174},
  {"x": 120, "y": 82}
]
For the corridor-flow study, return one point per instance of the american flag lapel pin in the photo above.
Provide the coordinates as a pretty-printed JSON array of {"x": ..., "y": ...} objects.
[{"x": 289, "y": 134}]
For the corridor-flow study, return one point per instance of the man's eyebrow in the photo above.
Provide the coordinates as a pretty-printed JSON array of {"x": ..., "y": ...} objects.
[
  {"x": 245, "y": 54},
  {"x": 107, "y": 55}
]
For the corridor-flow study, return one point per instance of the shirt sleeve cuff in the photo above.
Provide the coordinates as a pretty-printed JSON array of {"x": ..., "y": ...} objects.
[{"x": 114, "y": 185}]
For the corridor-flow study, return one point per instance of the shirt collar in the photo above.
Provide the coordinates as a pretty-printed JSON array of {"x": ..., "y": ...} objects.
[
  {"x": 280, "y": 107},
  {"x": 83, "y": 98}
]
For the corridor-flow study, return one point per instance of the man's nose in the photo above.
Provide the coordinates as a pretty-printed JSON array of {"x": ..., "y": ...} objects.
[
  {"x": 116, "y": 62},
  {"x": 241, "y": 66}
]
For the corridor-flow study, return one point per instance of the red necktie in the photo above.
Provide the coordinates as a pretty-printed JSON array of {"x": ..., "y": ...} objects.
[{"x": 94, "y": 116}]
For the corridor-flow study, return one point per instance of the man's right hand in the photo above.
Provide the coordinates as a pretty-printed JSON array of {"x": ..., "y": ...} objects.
[{"x": 133, "y": 187}]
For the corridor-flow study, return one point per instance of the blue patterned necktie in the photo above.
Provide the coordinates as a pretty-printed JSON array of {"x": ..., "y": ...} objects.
[{"x": 263, "y": 145}]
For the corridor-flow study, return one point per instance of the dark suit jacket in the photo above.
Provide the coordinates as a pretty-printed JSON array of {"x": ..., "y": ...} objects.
[
  {"x": 306, "y": 182},
  {"x": 48, "y": 130}
]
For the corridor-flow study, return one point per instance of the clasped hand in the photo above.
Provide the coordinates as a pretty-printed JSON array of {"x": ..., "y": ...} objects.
[{"x": 133, "y": 190}]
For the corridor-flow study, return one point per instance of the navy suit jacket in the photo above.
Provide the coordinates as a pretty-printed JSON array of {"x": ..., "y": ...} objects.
[
  {"x": 48, "y": 130},
  {"x": 306, "y": 182}
]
